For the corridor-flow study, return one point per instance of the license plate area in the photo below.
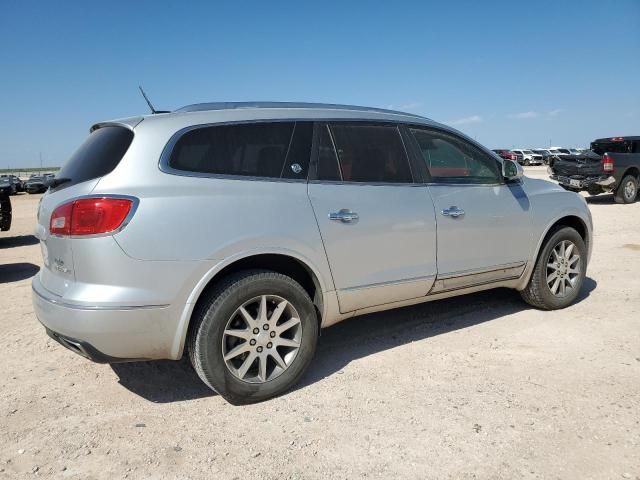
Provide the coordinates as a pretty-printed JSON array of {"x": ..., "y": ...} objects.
[{"x": 575, "y": 183}]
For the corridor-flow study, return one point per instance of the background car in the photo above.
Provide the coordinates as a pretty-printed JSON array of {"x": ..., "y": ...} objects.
[
  {"x": 16, "y": 181},
  {"x": 559, "y": 151},
  {"x": 7, "y": 185},
  {"x": 546, "y": 154},
  {"x": 36, "y": 184},
  {"x": 528, "y": 157},
  {"x": 508, "y": 155}
]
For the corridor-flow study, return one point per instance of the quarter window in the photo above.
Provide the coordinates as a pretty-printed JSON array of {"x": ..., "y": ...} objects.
[
  {"x": 371, "y": 153},
  {"x": 451, "y": 160},
  {"x": 254, "y": 149}
]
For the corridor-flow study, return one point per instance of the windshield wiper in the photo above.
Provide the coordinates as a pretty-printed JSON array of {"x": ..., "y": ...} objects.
[{"x": 56, "y": 182}]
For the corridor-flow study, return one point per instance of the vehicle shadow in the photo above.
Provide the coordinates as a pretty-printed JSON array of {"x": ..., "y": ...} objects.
[
  {"x": 601, "y": 199},
  {"x": 14, "y": 272},
  {"x": 162, "y": 381},
  {"x": 167, "y": 381},
  {"x": 18, "y": 241}
]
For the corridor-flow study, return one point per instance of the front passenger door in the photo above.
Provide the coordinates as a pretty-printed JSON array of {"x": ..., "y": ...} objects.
[{"x": 482, "y": 221}]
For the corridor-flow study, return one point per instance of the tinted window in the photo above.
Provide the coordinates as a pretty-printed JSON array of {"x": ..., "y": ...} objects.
[
  {"x": 297, "y": 164},
  {"x": 254, "y": 149},
  {"x": 611, "y": 147},
  {"x": 450, "y": 159},
  {"x": 327, "y": 160},
  {"x": 371, "y": 153},
  {"x": 97, "y": 156}
]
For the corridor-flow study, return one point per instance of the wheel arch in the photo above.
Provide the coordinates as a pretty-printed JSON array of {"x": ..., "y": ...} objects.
[
  {"x": 567, "y": 220},
  {"x": 281, "y": 261},
  {"x": 633, "y": 170}
]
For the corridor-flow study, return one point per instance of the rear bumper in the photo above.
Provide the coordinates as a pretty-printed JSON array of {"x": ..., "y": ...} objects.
[
  {"x": 580, "y": 182},
  {"x": 106, "y": 335}
]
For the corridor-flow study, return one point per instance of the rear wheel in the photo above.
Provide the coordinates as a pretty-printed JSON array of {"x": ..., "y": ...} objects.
[
  {"x": 627, "y": 191},
  {"x": 559, "y": 272},
  {"x": 254, "y": 336}
]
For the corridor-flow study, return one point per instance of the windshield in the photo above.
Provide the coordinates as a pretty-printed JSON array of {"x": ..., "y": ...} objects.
[{"x": 527, "y": 152}]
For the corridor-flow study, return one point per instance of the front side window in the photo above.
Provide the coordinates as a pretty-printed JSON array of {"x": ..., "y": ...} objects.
[
  {"x": 269, "y": 150},
  {"x": 452, "y": 160},
  {"x": 371, "y": 153}
]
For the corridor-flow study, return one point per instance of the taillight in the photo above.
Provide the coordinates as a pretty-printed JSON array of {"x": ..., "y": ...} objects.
[
  {"x": 89, "y": 216},
  {"x": 607, "y": 163}
]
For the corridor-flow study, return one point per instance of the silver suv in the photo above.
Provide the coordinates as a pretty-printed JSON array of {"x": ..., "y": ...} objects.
[{"x": 235, "y": 231}]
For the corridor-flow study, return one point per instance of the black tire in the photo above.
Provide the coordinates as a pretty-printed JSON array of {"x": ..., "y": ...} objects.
[
  {"x": 526, "y": 162},
  {"x": 537, "y": 293},
  {"x": 210, "y": 319},
  {"x": 622, "y": 195}
]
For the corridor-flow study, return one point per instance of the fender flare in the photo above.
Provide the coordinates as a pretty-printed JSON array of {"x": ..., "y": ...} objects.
[
  {"x": 180, "y": 335},
  {"x": 569, "y": 212}
]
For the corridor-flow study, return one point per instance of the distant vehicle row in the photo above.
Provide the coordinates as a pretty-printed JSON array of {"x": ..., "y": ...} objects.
[
  {"x": 12, "y": 184},
  {"x": 536, "y": 156}
]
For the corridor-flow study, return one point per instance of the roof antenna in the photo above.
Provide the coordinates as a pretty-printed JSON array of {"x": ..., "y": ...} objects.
[{"x": 146, "y": 99}]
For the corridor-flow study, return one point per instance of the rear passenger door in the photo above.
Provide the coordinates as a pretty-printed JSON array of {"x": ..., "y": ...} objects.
[{"x": 377, "y": 228}]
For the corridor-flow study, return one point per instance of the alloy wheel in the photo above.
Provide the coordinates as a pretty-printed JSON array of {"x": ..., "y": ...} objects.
[
  {"x": 261, "y": 339},
  {"x": 563, "y": 269},
  {"x": 630, "y": 190}
]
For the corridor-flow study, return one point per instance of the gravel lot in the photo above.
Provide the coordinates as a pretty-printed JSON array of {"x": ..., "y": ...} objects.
[{"x": 479, "y": 387}]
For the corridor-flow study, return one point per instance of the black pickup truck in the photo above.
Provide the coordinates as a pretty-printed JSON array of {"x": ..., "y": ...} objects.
[{"x": 612, "y": 165}]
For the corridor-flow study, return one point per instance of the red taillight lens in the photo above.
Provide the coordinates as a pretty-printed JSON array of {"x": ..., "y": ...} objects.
[
  {"x": 89, "y": 216},
  {"x": 607, "y": 163}
]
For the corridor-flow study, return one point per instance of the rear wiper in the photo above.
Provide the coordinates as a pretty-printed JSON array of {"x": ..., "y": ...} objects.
[{"x": 56, "y": 182}]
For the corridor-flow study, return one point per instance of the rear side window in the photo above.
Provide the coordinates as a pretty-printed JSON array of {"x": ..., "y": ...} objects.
[
  {"x": 97, "y": 156},
  {"x": 371, "y": 153},
  {"x": 271, "y": 150}
]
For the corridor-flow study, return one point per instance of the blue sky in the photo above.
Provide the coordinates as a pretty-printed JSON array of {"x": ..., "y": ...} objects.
[{"x": 507, "y": 73}]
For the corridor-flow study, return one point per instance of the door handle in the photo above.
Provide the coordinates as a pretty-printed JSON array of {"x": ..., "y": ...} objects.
[
  {"x": 453, "y": 211},
  {"x": 345, "y": 216}
]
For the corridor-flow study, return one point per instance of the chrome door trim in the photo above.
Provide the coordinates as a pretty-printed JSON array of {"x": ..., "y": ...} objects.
[
  {"x": 368, "y": 296},
  {"x": 471, "y": 278},
  {"x": 393, "y": 282}
]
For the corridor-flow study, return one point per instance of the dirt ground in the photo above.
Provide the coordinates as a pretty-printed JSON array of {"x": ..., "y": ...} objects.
[{"x": 472, "y": 388}]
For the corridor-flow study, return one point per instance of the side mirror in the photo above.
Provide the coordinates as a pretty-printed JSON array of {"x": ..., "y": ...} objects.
[{"x": 511, "y": 170}]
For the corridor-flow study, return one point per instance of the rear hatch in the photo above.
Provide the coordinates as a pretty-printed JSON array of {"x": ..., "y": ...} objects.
[
  {"x": 97, "y": 156},
  {"x": 588, "y": 164}
]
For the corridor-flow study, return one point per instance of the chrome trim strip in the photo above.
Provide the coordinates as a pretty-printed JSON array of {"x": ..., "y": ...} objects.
[
  {"x": 385, "y": 284},
  {"x": 473, "y": 278},
  {"x": 462, "y": 273},
  {"x": 73, "y": 306}
]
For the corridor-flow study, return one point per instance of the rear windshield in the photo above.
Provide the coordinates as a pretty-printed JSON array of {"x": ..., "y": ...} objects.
[
  {"x": 97, "y": 156},
  {"x": 611, "y": 147}
]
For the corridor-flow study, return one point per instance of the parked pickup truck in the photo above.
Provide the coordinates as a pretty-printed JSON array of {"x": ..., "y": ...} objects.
[{"x": 612, "y": 165}]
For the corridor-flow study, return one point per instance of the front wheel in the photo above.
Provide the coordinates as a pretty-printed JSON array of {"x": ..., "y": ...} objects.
[
  {"x": 559, "y": 272},
  {"x": 627, "y": 191},
  {"x": 253, "y": 336}
]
